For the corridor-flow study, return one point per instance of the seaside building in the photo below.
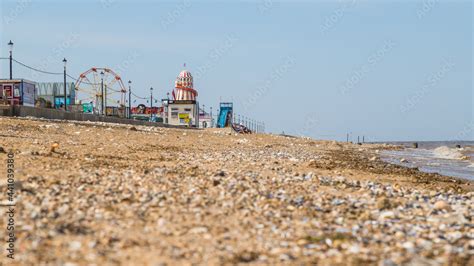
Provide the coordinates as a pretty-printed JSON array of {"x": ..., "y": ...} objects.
[
  {"x": 17, "y": 92},
  {"x": 182, "y": 109},
  {"x": 205, "y": 119}
]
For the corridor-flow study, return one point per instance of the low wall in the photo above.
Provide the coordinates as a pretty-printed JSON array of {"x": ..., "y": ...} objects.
[
  {"x": 24, "y": 111},
  {"x": 6, "y": 110}
]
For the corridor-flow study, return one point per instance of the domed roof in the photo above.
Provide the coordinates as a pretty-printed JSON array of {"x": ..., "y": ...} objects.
[
  {"x": 185, "y": 74},
  {"x": 184, "y": 80}
]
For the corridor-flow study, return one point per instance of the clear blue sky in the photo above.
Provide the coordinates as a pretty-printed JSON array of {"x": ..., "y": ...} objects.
[{"x": 397, "y": 70}]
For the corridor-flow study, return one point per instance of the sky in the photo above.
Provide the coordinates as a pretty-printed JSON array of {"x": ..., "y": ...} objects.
[{"x": 386, "y": 70}]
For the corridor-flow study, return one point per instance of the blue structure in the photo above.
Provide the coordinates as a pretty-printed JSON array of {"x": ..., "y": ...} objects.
[{"x": 226, "y": 111}]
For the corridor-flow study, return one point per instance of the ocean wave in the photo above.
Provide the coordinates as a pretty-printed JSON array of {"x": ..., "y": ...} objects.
[{"x": 445, "y": 152}]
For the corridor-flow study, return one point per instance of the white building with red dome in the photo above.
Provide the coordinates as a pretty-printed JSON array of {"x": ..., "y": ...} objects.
[{"x": 183, "y": 108}]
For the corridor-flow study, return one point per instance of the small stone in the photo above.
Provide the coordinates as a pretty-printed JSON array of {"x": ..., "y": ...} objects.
[
  {"x": 74, "y": 245},
  {"x": 309, "y": 176},
  {"x": 298, "y": 201},
  {"x": 54, "y": 146},
  {"x": 388, "y": 262},
  {"x": 399, "y": 235},
  {"x": 383, "y": 203},
  {"x": 442, "y": 205},
  {"x": 247, "y": 256},
  {"x": 302, "y": 242},
  {"x": 198, "y": 230},
  {"x": 408, "y": 246},
  {"x": 63, "y": 209},
  {"x": 387, "y": 215},
  {"x": 285, "y": 257},
  {"x": 354, "y": 249}
]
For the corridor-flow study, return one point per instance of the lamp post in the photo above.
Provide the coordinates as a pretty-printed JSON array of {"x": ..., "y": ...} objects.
[
  {"x": 167, "y": 106},
  {"x": 10, "y": 44},
  {"x": 212, "y": 118},
  {"x": 65, "y": 91},
  {"x": 105, "y": 99},
  {"x": 203, "y": 114},
  {"x": 102, "y": 91},
  {"x": 151, "y": 102},
  {"x": 129, "y": 99}
]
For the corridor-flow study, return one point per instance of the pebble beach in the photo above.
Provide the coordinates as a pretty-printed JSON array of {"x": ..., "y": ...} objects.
[{"x": 109, "y": 194}]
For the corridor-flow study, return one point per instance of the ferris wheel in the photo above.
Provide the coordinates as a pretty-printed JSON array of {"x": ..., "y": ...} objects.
[{"x": 97, "y": 84}]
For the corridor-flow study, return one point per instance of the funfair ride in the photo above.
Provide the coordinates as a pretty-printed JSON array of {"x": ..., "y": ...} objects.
[
  {"x": 184, "y": 87},
  {"x": 98, "y": 83}
]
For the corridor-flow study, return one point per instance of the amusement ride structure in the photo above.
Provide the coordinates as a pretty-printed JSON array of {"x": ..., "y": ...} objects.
[
  {"x": 184, "y": 87},
  {"x": 102, "y": 87}
]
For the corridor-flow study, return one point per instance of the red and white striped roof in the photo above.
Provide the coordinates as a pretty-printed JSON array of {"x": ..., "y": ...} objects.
[
  {"x": 185, "y": 74},
  {"x": 184, "y": 87},
  {"x": 184, "y": 80}
]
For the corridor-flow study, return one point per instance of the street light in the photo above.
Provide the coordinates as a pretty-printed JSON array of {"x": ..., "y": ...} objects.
[
  {"x": 212, "y": 118},
  {"x": 10, "y": 44},
  {"x": 167, "y": 106},
  {"x": 129, "y": 99},
  {"x": 65, "y": 92},
  {"x": 151, "y": 102},
  {"x": 102, "y": 91}
]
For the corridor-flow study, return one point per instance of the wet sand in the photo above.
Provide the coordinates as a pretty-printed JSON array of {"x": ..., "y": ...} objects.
[{"x": 95, "y": 193}]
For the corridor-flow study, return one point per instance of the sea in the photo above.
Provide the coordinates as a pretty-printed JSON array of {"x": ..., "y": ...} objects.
[{"x": 442, "y": 157}]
